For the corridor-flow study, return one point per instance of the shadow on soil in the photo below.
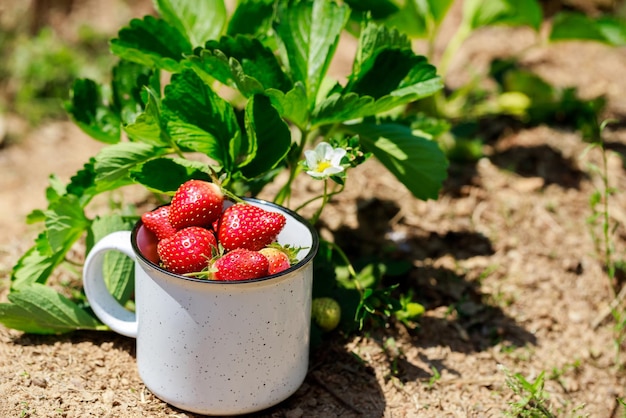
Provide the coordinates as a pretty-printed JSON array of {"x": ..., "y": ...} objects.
[
  {"x": 542, "y": 161},
  {"x": 337, "y": 381},
  {"x": 97, "y": 338},
  {"x": 467, "y": 320}
]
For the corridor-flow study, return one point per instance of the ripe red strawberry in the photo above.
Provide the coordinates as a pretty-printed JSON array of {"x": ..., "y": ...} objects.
[
  {"x": 196, "y": 203},
  {"x": 158, "y": 222},
  {"x": 188, "y": 250},
  {"x": 240, "y": 264},
  {"x": 251, "y": 227},
  {"x": 278, "y": 259}
]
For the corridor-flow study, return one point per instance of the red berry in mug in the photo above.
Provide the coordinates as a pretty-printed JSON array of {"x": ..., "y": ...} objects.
[
  {"x": 157, "y": 221},
  {"x": 240, "y": 264},
  {"x": 188, "y": 250},
  {"x": 251, "y": 227},
  {"x": 278, "y": 259},
  {"x": 196, "y": 203}
]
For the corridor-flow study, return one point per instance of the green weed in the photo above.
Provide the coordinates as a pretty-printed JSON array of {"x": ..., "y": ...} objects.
[
  {"x": 533, "y": 401},
  {"x": 604, "y": 242}
]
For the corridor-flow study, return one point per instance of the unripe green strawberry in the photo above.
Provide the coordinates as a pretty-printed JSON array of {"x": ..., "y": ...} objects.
[{"x": 326, "y": 313}]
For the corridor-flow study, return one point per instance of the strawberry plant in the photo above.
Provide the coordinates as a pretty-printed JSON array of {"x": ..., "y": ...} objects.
[
  {"x": 518, "y": 93},
  {"x": 250, "y": 93}
]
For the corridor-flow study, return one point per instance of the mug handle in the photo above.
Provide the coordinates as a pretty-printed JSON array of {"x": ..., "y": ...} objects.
[{"x": 104, "y": 305}]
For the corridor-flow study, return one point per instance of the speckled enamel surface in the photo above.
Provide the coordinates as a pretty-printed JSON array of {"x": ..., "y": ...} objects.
[
  {"x": 223, "y": 349},
  {"x": 220, "y": 348}
]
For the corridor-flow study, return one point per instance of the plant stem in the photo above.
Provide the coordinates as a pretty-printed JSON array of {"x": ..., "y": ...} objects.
[
  {"x": 461, "y": 34},
  {"x": 608, "y": 248},
  {"x": 294, "y": 168},
  {"x": 345, "y": 258},
  {"x": 325, "y": 198}
]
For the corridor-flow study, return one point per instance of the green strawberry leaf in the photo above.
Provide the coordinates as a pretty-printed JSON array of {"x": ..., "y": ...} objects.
[
  {"x": 292, "y": 105},
  {"x": 147, "y": 127},
  {"x": 386, "y": 74},
  {"x": 129, "y": 79},
  {"x": 87, "y": 109},
  {"x": 421, "y": 81},
  {"x": 118, "y": 269},
  {"x": 36, "y": 264},
  {"x": 56, "y": 189},
  {"x": 113, "y": 163},
  {"x": 197, "y": 21},
  {"x": 199, "y": 120},
  {"x": 165, "y": 175},
  {"x": 378, "y": 9},
  {"x": 65, "y": 223},
  {"x": 373, "y": 40},
  {"x": 479, "y": 13},
  {"x": 252, "y": 17},
  {"x": 240, "y": 62},
  {"x": 268, "y": 135},
  {"x": 151, "y": 42},
  {"x": 39, "y": 309},
  {"x": 82, "y": 184},
  {"x": 309, "y": 33},
  {"x": 577, "y": 26},
  {"x": 85, "y": 185},
  {"x": 35, "y": 216},
  {"x": 403, "y": 70},
  {"x": 417, "y": 19},
  {"x": 418, "y": 163}
]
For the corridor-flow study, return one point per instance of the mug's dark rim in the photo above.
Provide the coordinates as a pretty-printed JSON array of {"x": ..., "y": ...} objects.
[{"x": 311, "y": 251}]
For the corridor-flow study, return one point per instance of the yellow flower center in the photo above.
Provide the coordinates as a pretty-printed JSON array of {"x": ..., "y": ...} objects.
[{"x": 322, "y": 165}]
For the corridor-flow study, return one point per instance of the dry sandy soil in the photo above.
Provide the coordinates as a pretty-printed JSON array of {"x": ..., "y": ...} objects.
[{"x": 503, "y": 261}]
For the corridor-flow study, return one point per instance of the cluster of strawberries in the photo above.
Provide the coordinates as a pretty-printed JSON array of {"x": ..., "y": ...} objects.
[{"x": 202, "y": 234}]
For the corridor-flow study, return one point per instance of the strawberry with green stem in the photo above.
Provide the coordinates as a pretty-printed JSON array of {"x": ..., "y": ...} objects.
[
  {"x": 280, "y": 257},
  {"x": 239, "y": 264}
]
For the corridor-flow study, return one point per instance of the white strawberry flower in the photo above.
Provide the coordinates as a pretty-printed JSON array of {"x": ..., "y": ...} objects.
[{"x": 324, "y": 161}]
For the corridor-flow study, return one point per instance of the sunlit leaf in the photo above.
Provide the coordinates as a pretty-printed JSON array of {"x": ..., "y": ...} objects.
[
  {"x": 242, "y": 62},
  {"x": 292, "y": 105},
  {"x": 309, "y": 33},
  {"x": 416, "y": 162},
  {"x": 198, "y": 118},
  {"x": 113, "y": 163},
  {"x": 65, "y": 223},
  {"x": 198, "y": 21},
  {"x": 151, "y": 42},
  {"x": 39, "y": 309}
]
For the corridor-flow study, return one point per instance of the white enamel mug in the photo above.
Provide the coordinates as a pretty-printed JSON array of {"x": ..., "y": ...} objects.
[{"x": 210, "y": 347}]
